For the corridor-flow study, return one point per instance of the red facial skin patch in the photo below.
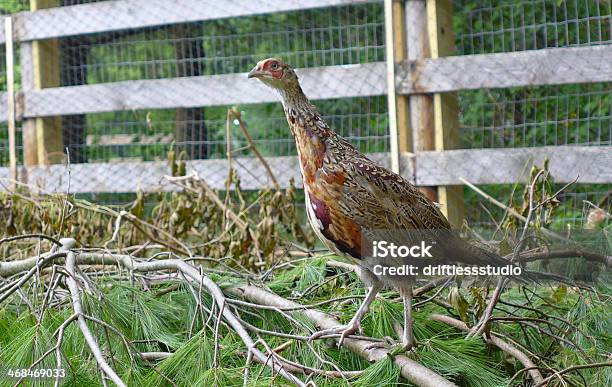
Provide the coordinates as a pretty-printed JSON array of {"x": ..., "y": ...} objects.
[{"x": 267, "y": 66}]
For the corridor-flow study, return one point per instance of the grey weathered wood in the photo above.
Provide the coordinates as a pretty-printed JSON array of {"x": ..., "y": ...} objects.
[
  {"x": 445, "y": 106},
  {"x": 227, "y": 89},
  {"x": 421, "y": 105},
  {"x": 124, "y": 14},
  {"x": 421, "y": 118},
  {"x": 98, "y": 177},
  {"x": 6, "y": 183},
  {"x": 513, "y": 69},
  {"x": 506, "y": 166},
  {"x": 148, "y": 176},
  {"x": 591, "y": 164},
  {"x": 559, "y": 65}
]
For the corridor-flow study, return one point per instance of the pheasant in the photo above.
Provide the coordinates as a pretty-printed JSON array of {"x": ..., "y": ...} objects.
[{"x": 350, "y": 200}]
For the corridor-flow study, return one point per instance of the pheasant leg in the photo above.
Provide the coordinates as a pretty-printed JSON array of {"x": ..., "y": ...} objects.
[
  {"x": 355, "y": 324},
  {"x": 407, "y": 337}
]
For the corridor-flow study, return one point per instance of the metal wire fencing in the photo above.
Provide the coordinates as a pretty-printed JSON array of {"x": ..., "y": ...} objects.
[
  {"x": 336, "y": 36},
  {"x": 536, "y": 116},
  {"x": 576, "y": 114}
]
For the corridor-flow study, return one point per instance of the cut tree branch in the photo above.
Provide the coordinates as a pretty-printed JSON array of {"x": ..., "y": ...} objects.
[
  {"x": 558, "y": 254},
  {"x": 75, "y": 294},
  {"x": 411, "y": 370},
  {"x": 138, "y": 265}
]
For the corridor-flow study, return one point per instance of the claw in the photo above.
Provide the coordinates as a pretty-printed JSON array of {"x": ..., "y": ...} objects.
[
  {"x": 394, "y": 348},
  {"x": 343, "y": 330},
  {"x": 387, "y": 343},
  {"x": 400, "y": 348}
]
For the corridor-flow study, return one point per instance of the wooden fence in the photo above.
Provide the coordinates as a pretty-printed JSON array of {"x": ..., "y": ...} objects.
[{"x": 422, "y": 83}]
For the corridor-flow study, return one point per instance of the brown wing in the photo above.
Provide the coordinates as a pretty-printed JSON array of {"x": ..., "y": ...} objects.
[{"x": 383, "y": 199}]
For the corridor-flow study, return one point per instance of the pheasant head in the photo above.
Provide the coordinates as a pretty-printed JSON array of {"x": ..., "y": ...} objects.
[{"x": 277, "y": 74}]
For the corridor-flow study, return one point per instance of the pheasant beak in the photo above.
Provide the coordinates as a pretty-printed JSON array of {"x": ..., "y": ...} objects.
[{"x": 256, "y": 73}]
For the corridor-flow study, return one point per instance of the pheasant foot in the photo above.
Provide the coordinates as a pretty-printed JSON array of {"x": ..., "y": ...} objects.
[
  {"x": 394, "y": 348},
  {"x": 342, "y": 330}
]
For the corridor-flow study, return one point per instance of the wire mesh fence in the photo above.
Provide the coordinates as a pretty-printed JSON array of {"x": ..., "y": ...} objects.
[
  {"x": 505, "y": 26},
  {"x": 575, "y": 114},
  {"x": 536, "y": 116},
  {"x": 149, "y": 135},
  {"x": 346, "y": 34},
  {"x": 336, "y": 36},
  {"x": 553, "y": 115}
]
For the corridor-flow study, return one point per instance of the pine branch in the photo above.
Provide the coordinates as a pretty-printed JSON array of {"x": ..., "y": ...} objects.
[
  {"x": 535, "y": 374},
  {"x": 410, "y": 369}
]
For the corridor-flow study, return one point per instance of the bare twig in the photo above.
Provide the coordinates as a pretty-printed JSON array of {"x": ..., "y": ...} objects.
[
  {"x": 27, "y": 236},
  {"x": 154, "y": 356},
  {"x": 78, "y": 310},
  {"x": 479, "y": 328},
  {"x": 570, "y": 253},
  {"x": 236, "y": 114},
  {"x": 573, "y": 368},
  {"x": 510, "y": 210}
]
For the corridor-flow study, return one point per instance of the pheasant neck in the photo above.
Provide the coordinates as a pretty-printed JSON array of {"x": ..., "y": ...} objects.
[
  {"x": 293, "y": 97},
  {"x": 308, "y": 130}
]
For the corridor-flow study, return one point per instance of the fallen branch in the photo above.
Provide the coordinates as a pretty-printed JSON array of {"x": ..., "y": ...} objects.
[
  {"x": 411, "y": 370},
  {"x": 28, "y": 236},
  {"x": 78, "y": 310},
  {"x": 189, "y": 271},
  {"x": 573, "y": 368}
]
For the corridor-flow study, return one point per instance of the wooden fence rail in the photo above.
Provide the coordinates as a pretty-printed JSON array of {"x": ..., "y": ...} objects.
[
  {"x": 118, "y": 15},
  {"x": 553, "y": 66},
  {"x": 426, "y": 75},
  {"x": 226, "y": 89},
  {"x": 531, "y": 68},
  {"x": 587, "y": 164}
]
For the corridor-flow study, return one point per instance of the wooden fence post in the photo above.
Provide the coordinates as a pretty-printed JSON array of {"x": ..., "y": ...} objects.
[
  {"x": 421, "y": 105},
  {"x": 445, "y": 108},
  {"x": 28, "y": 126},
  {"x": 42, "y": 137},
  {"x": 399, "y": 107},
  {"x": 400, "y": 50}
]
